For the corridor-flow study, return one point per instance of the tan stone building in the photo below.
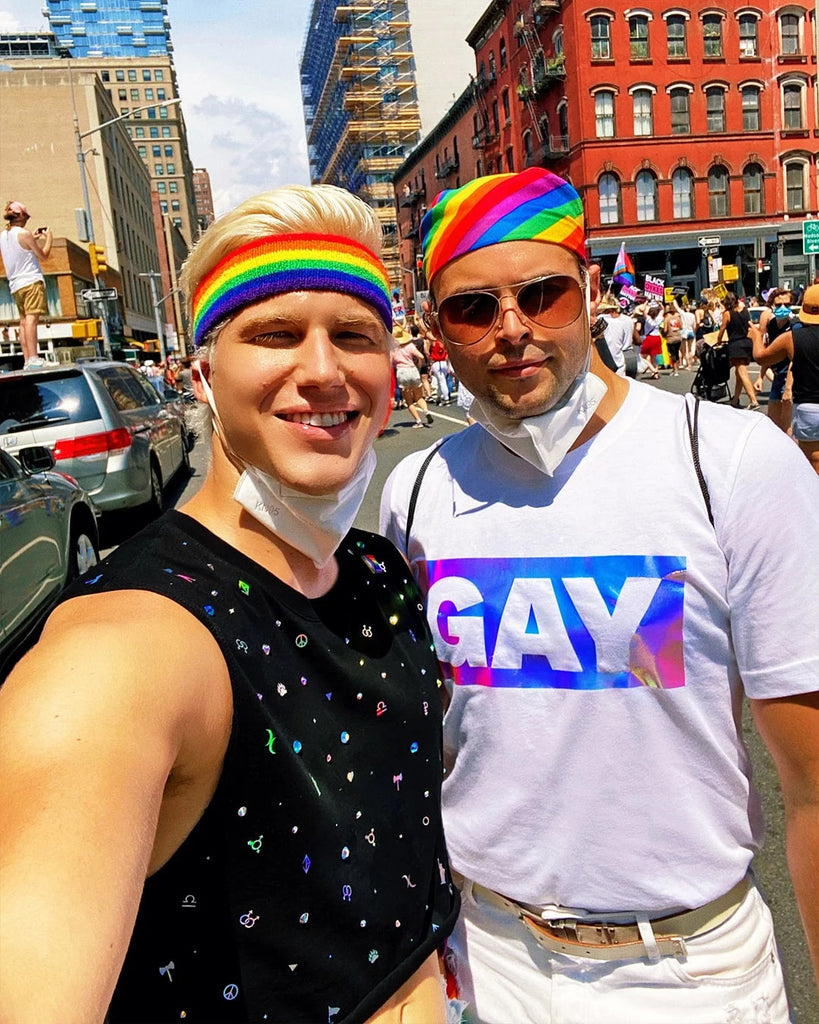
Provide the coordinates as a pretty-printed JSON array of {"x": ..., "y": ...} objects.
[{"x": 38, "y": 166}]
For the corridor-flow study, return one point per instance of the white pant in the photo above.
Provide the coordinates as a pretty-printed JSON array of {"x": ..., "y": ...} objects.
[{"x": 731, "y": 975}]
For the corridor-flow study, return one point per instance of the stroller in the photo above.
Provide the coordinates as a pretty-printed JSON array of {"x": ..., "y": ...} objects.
[{"x": 711, "y": 381}]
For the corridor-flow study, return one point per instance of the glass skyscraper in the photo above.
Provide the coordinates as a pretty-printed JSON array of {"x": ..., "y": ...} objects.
[{"x": 110, "y": 28}]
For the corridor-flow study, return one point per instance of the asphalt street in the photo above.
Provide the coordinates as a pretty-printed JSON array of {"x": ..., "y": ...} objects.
[{"x": 398, "y": 440}]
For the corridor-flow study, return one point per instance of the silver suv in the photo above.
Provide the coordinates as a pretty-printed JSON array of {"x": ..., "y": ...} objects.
[{"x": 105, "y": 423}]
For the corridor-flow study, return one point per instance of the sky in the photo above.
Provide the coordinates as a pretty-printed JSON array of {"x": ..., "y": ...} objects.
[{"x": 237, "y": 62}]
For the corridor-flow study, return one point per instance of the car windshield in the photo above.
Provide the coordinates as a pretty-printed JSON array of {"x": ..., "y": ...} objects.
[{"x": 36, "y": 401}]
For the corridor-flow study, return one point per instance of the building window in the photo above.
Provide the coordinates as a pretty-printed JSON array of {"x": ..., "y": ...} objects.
[
  {"x": 173, "y": 186},
  {"x": 132, "y": 75},
  {"x": 495, "y": 116},
  {"x": 638, "y": 37},
  {"x": 123, "y": 111},
  {"x": 792, "y": 107},
  {"x": 750, "y": 108},
  {"x": 146, "y": 75},
  {"x": 161, "y": 187},
  {"x": 139, "y": 132},
  {"x": 154, "y": 133},
  {"x": 608, "y": 191},
  {"x": 682, "y": 192},
  {"x": 643, "y": 112},
  {"x": 715, "y": 109},
  {"x": 563, "y": 124},
  {"x": 718, "y": 205},
  {"x": 122, "y": 94},
  {"x": 159, "y": 75},
  {"x": 646, "y": 191},
  {"x": 795, "y": 187},
  {"x": 168, "y": 150},
  {"x": 149, "y": 94},
  {"x": 177, "y": 222},
  {"x": 510, "y": 159},
  {"x": 505, "y": 101},
  {"x": 159, "y": 169},
  {"x": 156, "y": 150},
  {"x": 748, "y": 36},
  {"x": 680, "y": 112},
  {"x": 171, "y": 168},
  {"x": 160, "y": 94},
  {"x": 712, "y": 35},
  {"x": 752, "y": 189},
  {"x": 166, "y": 131},
  {"x": 604, "y": 114},
  {"x": 527, "y": 146},
  {"x": 557, "y": 42},
  {"x": 120, "y": 75},
  {"x": 163, "y": 205},
  {"x": 675, "y": 27},
  {"x": 105, "y": 75},
  {"x": 163, "y": 113},
  {"x": 789, "y": 35},
  {"x": 502, "y": 52},
  {"x": 600, "y": 38},
  {"x": 143, "y": 151}
]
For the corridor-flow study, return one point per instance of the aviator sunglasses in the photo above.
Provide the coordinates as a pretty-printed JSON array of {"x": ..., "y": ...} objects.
[{"x": 552, "y": 301}]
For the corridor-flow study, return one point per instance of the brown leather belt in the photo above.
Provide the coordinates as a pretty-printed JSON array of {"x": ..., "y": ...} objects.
[{"x": 603, "y": 940}]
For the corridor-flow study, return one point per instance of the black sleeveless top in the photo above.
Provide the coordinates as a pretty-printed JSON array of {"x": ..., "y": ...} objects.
[
  {"x": 805, "y": 367},
  {"x": 316, "y": 882}
]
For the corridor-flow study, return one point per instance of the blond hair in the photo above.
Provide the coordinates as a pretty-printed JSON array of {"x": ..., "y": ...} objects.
[{"x": 291, "y": 209}]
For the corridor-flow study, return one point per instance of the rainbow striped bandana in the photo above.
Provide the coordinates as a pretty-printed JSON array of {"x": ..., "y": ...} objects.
[
  {"x": 290, "y": 263},
  {"x": 534, "y": 204}
]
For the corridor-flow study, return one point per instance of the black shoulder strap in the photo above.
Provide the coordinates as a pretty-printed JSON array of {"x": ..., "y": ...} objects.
[
  {"x": 416, "y": 487},
  {"x": 693, "y": 437}
]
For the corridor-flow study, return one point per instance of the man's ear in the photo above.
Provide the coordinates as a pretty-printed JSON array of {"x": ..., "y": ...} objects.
[
  {"x": 594, "y": 287},
  {"x": 200, "y": 368}
]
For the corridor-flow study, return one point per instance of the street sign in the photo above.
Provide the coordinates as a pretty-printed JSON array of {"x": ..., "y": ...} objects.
[
  {"x": 706, "y": 241},
  {"x": 712, "y": 250},
  {"x": 810, "y": 236},
  {"x": 99, "y": 294}
]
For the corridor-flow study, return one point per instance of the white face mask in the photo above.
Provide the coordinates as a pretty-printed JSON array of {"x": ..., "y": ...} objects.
[
  {"x": 314, "y": 524},
  {"x": 544, "y": 440}
]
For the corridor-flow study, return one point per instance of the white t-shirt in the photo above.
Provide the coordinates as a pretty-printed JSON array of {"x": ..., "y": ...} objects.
[
  {"x": 22, "y": 265},
  {"x": 597, "y": 633},
  {"x": 619, "y": 336}
]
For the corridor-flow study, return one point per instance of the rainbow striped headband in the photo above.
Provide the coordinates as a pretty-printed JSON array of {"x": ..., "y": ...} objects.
[
  {"x": 534, "y": 204},
  {"x": 290, "y": 263}
]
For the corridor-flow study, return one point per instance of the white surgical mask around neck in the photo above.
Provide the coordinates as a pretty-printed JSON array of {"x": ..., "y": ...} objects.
[{"x": 313, "y": 524}]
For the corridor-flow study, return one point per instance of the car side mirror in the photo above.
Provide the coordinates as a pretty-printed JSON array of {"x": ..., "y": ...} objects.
[
  {"x": 36, "y": 459},
  {"x": 171, "y": 395}
]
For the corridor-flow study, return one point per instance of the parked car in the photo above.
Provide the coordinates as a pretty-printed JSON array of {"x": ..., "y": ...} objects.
[
  {"x": 48, "y": 536},
  {"x": 107, "y": 426}
]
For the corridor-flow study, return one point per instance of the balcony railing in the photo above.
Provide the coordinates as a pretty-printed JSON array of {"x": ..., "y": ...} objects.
[
  {"x": 483, "y": 138},
  {"x": 552, "y": 148},
  {"x": 448, "y": 167},
  {"x": 412, "y": 196}
]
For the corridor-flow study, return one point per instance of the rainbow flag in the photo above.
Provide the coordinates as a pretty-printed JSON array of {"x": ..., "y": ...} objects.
[{"x": 623, "y": 268}]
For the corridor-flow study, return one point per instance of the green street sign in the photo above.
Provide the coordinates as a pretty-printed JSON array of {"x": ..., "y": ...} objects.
[{"x": 810, "y": 236}]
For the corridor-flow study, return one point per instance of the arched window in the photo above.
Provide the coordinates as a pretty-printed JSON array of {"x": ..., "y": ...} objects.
[
  {"x": 682, "y": 192},
  {"x": 601, "y": 37},
  {"x": 638, "y": 37},
  {"x": 751, "y": 121},
  {"x": 789, "y": 35},
  {"x": 527, "y": 147},
  {"x": 795, "y": 185},
  {"x": 792, "y": 106},
  {"x": 748, "y": 35},
  {"x": 718, "y": 195},
  {"x": 646, "y": 190},
  {"x": 676, "y": 27},
  {"x": 557, "y": 42},
  {"x": 604, "y": 114},
  {"x": 753, "y": 195},
  {"x": 608, "y": 189},
  {"x": 643, "y": 112},
  {"x": 715, "y": 108},
  {"x": 502, "y": 52},
  {"x": 680, "y": 111},
  {"x": 712, "y": 34}
]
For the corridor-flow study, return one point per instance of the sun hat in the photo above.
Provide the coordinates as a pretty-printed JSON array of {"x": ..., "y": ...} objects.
[{"x": 809, "y": 313}]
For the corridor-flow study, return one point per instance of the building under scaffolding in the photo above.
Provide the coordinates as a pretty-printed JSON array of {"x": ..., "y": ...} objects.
[{"x": 360, "y": 103}]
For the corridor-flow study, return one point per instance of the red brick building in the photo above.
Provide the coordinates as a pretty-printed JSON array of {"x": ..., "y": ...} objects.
[{"x": 673, "y": 123}]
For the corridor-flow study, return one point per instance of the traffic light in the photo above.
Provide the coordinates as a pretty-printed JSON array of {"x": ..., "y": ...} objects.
[
  {"x": 419, "y": 263},
  {"x": 98, "y": 263}
]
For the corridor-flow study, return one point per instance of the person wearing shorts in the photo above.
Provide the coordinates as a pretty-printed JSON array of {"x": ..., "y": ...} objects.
[
  {"x": 406, "y": 361},
  {"x": 802, "y": 348},
  {"x": 21, "y": 251}
]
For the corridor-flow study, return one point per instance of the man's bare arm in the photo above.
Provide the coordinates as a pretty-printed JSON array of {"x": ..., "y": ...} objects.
[
  {"x": 790, "y": 728},
  {"x": 94, "y": 722}
]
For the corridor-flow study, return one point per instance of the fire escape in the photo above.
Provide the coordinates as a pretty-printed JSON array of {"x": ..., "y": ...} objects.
[{"x": 543, "y": 73}]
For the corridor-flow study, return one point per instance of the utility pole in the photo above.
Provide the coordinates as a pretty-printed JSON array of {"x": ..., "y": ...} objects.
[{"x": 160, "y": 333}]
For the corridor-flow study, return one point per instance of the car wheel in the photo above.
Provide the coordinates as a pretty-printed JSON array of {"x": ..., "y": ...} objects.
[
  {"x": 156, "y": 503},
  {"x": 83, "y": 552}
]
